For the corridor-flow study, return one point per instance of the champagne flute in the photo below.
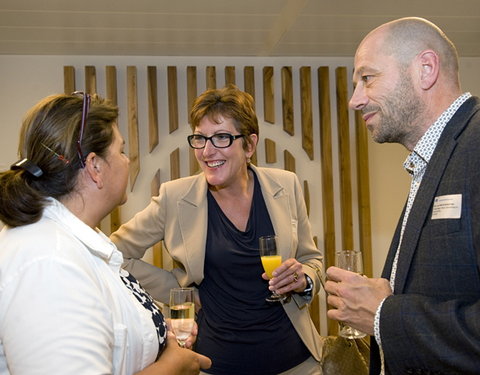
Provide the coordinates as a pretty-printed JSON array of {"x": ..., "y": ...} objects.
[
  {"x": 270, "y": 261},
  {"x": 350, "y": 260},
  {"x": 182, "y": 313}
]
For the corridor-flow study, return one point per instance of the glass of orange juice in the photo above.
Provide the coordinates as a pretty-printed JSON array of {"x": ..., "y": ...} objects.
[{"x": 270, "y": 261}]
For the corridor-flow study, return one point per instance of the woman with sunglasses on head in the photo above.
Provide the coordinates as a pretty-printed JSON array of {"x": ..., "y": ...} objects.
[
  {"x": 211, "y": 223},
  {"x": 66, "y": 306}
]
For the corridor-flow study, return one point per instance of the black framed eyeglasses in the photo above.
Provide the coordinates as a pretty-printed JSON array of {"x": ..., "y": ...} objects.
[
  {"x": 85, "y": 108},
  {"x": 220, "y": 140}
]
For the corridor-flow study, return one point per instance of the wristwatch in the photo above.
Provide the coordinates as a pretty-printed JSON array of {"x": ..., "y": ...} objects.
[{"x": 308, "y": 290}]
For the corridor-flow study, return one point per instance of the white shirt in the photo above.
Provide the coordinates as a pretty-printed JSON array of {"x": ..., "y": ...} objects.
[{"x": 63, "y": 307}]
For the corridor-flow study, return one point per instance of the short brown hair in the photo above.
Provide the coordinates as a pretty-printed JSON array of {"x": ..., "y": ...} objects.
[{"x": 230, "y": 102}]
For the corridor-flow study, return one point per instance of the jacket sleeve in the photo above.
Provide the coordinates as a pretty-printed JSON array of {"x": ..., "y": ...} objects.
[
  {"x": 133, "y": 239},
  {"x": 307, "y": 252}
]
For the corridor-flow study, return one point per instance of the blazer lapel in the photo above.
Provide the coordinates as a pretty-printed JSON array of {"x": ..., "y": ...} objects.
[
  {"x": 278, "y": 208},
  {"x": 192, "y": 211},
  {"x": 426, "y": 193}
]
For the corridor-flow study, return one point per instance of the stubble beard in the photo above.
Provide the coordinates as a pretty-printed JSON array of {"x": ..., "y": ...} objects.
[{"x": 399, "y": 115}]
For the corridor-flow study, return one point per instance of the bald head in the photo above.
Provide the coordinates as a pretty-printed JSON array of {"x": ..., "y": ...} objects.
[{"x": 405, "y": 38}]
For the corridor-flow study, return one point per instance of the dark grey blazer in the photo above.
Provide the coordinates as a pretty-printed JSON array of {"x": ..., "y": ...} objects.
[{"x": 431, "y": 325}]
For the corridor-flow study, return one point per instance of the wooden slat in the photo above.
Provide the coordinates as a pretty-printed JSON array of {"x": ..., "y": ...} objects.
[
  {"x": 133, "y": 141},
  {"x": 191, "y": 88},
  {"x": 111, "y": 83},
  {"x": 306, "y": 100},
  {"x": 175, "y": 164},
  {"x": 315, "y": 304},
  {"x": 90, "y": 79},
  {"x": 172, "y": 99},
  {"x": 229, "y": 75},
  {"x": 68, "y": 79},
  {"x": 287, "y": 100},
  {"x": 327, "y": 175},
  {"x": 249, "y": 80},
  {"x": 344, "y": 158},
  {"x": 270, "y": 151},
  {"x": 364, "y": 218},
  {"x": 268, "y": 95},
  {"x": 194, "y": 167},
  {"x": 111, "y": 90},
  {"x": 289, "y": 161},
  {"x": 152, "y": 107},
  {"x": 211, "y": 76},
  {"x": 157, "y": 248},
  {"x": 306, "y": 194}
]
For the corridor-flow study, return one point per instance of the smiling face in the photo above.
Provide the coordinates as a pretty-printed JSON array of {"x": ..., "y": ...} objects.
[
  {"x": 385, "y": 93},
  {"x": 223, "y": 167}
]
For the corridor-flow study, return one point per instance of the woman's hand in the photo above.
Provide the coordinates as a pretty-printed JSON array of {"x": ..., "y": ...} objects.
[
  {"x": 288, "y": 277},
  {"x": 193, "y": 335},
  {"x": 177, "y": 361}
]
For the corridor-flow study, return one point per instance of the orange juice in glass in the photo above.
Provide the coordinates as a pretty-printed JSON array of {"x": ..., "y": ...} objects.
[{"x": 270, "y": 261}]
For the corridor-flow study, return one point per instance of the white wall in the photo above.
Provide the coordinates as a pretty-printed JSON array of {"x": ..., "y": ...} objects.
[{"x": 26, "y": 79}]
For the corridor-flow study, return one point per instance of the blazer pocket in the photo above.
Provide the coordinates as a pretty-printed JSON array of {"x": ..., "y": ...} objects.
[{"x": 443, "y": 226}]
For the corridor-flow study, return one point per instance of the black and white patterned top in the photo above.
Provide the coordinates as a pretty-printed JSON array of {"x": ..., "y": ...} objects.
[{"x": 147, "y": 301}]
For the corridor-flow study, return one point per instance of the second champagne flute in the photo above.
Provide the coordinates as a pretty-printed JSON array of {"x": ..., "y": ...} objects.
[
  {"x": 350, "y": 260},
  {"x": 182, "y": 313},
  {"x": 270, "y": 260}
]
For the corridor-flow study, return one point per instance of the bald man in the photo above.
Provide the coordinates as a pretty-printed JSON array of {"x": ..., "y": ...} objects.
[{"x": 424, "y": 313}]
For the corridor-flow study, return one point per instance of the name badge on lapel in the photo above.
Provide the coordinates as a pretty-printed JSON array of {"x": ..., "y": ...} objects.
[{"x": 447, "y": 207}]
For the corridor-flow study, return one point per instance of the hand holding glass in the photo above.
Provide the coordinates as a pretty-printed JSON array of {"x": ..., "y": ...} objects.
[
  {"x": 350, "y": 260},
  {"x": 270, "y": 261},
  {"x": 182, "y": 313}
]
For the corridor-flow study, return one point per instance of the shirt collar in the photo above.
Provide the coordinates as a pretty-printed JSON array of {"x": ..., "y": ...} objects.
[
  {"x": 96, "y": 242},
  {"x": 423, "y": 151}
]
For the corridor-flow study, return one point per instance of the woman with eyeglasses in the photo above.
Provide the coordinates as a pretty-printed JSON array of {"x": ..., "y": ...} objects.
[
  {"x": 66, "y": 306},
  {"x": 210, "y": 224}
]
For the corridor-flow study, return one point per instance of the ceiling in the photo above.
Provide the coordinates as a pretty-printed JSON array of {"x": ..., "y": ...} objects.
[{"x": 218, "y": 27}]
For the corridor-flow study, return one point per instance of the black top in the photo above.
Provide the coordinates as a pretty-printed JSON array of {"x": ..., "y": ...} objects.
[{"x": 241, "y": 332}]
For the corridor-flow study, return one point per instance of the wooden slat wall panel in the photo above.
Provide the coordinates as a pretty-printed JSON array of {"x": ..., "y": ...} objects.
[
  {"x": 172, "y": 98},
  {"x": 133, "y": 141},
  {"x": 211, "y": 76},
  {"x": 229, "y": 75},
  {"x": 306, "y": 100},
  {"x": 249, "y": 80},
  {"x": 157, "y": 248},
  {"x": 270, "y": 151},
  {"x": 111, "y": 90},
  {"x": 194, "y": 167},
  {"x": 111, "y": 84},
  {"x": 306, "y": 193},
  {"x": 327, "y": 174},
  {"x": 175, "y": 164},
  {"x": 364, "y": 219},
  {"x": 288, "y": 82},
  {"x": 68, "y": 79},
  {"x": 90, "y": 79},
  {"x": 152, "y": 107},
  {"x": 287, "y": 100},
  {"x": 344, "y": 158},
  {"x": 191, "y": 88},
  {"x": 289, "y": 161},
  {"x": 268, "y": 95}
]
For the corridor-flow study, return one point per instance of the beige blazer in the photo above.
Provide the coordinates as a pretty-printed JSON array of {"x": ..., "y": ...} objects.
[{"x": 178, "y": 216}]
